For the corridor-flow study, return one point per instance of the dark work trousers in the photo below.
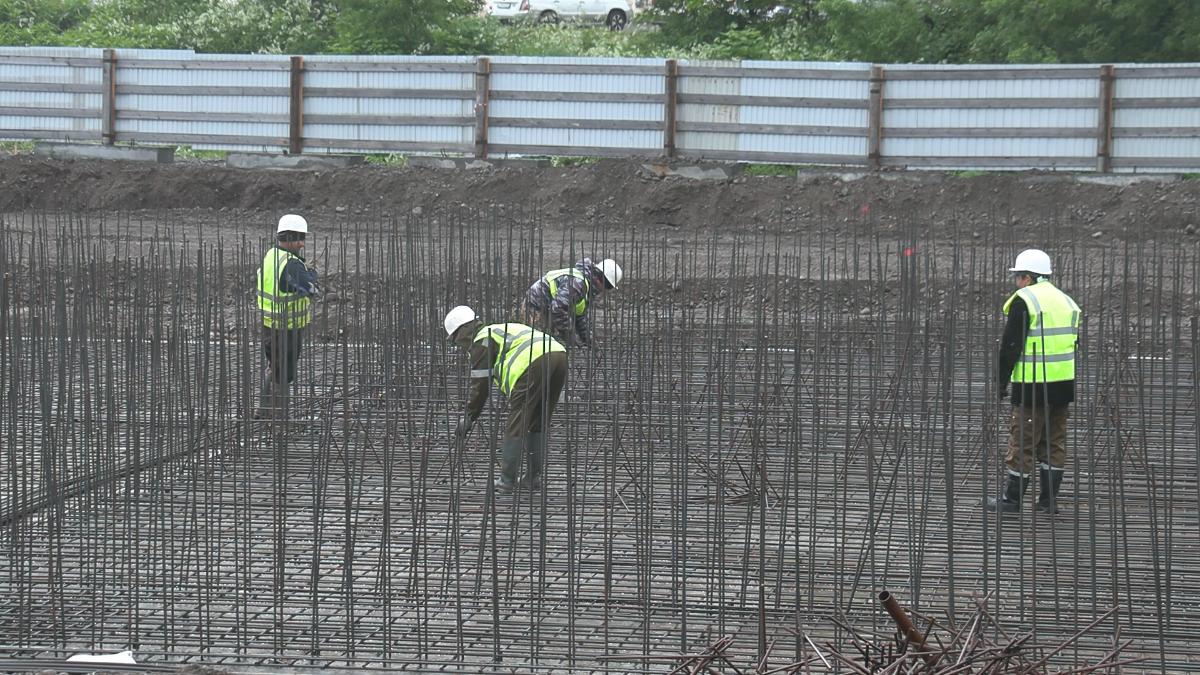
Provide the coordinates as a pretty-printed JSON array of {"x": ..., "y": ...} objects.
[
  {"x": 535, "y": 395},
  {"x": 1037, "y": 435},
  {"x": 282, "y": 351}
]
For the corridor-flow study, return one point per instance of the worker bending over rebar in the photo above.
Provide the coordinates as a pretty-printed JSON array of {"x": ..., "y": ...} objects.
[
  {"x": 286, "y": 282},
  {"x": 557, "y": 303},
  {"x": 530, "y": 368},
  {"x": 1037, "y": 354}
]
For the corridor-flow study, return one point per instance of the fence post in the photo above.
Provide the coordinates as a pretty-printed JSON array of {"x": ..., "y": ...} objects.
[
  {"x": 670, "y": 107},
  {"x": 108, "y": 119},
  {"x": 296, "y": 108},
  {"x": 1104, "y": 121},
  {"x": 483, "y": 88},
  {"x": 875, "y": 117}
]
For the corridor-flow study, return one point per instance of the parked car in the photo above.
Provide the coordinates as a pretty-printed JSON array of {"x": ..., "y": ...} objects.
[{"x": 614, "y": 13}]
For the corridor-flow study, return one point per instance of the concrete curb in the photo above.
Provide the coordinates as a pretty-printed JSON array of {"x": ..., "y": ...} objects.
[
  {"x": 111, "y": 152},
  {"x": 695, "y": 171},
  {"x": 472, "y": 164},
  {"x": 257, "y": 160}
]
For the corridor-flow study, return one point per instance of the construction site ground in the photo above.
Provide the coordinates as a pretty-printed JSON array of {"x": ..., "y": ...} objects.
[{"x": 791, "y": 408}]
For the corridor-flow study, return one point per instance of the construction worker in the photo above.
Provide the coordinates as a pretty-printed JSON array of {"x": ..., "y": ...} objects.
[
  {"x": 1037, "y": 354},
  {"x": 286, "y": 282},
  {"x": 558, "y": 301},
  {"x": 530, "y": 368}
]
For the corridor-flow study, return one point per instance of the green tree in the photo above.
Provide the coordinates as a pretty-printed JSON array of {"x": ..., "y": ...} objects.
[
  {"x": 395, "y": 26},
  {"x": 261, "y": 26},
  {"x": 1087, "y": 31},
  {"x": 1011, "y": 31},
  {"x": 688, "y": 23},
  {"x": 59, "y": 15}
]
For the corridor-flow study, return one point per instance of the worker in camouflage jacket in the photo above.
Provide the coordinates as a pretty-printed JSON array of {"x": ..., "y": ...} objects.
[{"x": 558, "y": 302}]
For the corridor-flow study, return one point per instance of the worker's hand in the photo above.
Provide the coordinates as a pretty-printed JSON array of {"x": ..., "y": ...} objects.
[
  {"x": 1003, "y": 391},
  {"x": 464, "y": 427}
]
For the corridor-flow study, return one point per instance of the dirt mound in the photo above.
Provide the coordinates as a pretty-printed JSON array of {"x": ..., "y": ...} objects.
[{"x": 623, "y": 193}]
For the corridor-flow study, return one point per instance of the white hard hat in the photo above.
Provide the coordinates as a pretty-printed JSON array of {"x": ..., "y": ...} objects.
[
  {"x": 1032, "y": 260},
  {"x": 292, "y": 223},
  {"x": 457, "y": 318},
  {"x": 611, "y": 271}
]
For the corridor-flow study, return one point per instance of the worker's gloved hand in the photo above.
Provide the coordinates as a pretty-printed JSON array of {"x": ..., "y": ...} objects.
[
  {"x": 314, "y": 290},
  {"x": 464, "y": 427},
  {"x": 1002, "y": 391}
]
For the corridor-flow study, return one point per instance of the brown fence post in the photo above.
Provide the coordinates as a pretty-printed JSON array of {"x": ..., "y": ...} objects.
[
  {"x": 875, "y": 117},
  {"x": 296, "y": 108},
  {"x": 1104, "y": 121},
  {"x": 483, "y": 88},
  {"x": 108, "y": 119},
  {"x": 670, "y": 107}
]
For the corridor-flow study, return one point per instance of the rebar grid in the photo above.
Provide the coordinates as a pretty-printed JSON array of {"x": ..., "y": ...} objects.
[{"x": 775, "y": 426}]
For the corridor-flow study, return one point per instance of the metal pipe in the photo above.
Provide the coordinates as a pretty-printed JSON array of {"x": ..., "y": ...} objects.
[{"x": 905, "y": 624}]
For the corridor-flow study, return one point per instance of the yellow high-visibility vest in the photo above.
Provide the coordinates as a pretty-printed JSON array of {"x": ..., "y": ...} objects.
[
  {"x": 520, "y": 346},
  {"x": 553, "y": 277},
  {"x": 1049, "y": 352},
  {"x": 276, "y": 305}
]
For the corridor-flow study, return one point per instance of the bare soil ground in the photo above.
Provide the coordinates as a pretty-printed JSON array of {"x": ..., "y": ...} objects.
[
  {"x": 1054, "y": 207},
  {"x": 875, "y": 354}
]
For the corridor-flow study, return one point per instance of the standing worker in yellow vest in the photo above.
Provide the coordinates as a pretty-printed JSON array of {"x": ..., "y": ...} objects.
[
  {"x": 1037, "y": 354},
  {"x": 530, "y": 368},
  {"x": 286, "y": 282},
  {"x": 558, "y": 301}
]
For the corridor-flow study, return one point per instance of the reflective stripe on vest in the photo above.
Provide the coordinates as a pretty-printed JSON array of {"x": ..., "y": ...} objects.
[
  {"x": 279, "y": 308},
  {"x": 553, "y": 277},
  {"x": 1049, "y": 351},
  {"x": 519, "y": 346}
]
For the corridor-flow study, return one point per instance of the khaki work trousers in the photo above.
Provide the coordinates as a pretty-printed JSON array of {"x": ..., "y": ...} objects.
[
  {"x": 1037, "y": 436},
  {"x": 535, "y": 394}
]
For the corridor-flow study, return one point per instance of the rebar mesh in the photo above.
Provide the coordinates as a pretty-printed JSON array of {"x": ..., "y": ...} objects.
[{"x": 775, "y": 426}]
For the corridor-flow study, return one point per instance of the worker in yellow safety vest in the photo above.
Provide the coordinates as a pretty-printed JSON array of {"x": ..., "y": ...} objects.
[
  {"x": 1037, "y": 355},
  {"x": 286, "y": 283},
  {"x": 530, "y": 368}
]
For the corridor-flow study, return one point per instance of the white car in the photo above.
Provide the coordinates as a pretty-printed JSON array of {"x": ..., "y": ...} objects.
[{"x": 614, "y": 13}]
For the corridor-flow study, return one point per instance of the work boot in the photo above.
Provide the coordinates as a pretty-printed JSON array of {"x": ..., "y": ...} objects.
[
  {"x": 1051, "y": 480},
  {"x": 510, "y": 464},
  {"x": 1010, "y": 501},
  {"x": 536, "y": 444}
]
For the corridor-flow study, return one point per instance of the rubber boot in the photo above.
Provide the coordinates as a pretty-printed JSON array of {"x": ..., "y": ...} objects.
[
  {"x": 266, "y": 397},
  {"x": 1051, "y": 480},
  {"x": 1010, "y": 501},
  {"x": 510, "y": 464},
  {"x": 536, "y": 449}
]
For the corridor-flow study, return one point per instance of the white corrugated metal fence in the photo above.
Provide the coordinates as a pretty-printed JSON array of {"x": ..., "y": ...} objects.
[{"x": 1122, "y": 117}]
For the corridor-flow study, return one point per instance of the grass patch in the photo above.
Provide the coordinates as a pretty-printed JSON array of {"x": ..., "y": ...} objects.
[
  {"x": 187, "y": 152},
  {"x": 16, "y": 147},
  {"x": 1190, "y": 176},
  {"x": 559, "y": 161},
  {"x": 784, "y": 170},
  {"x": 968, "y": 173},
  {"x": 388, "y": 159}
]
